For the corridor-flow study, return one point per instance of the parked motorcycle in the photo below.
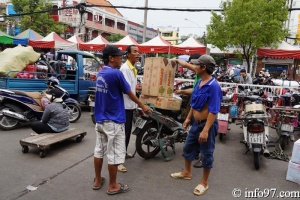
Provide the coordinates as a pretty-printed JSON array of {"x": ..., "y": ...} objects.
[
  {"x": 224, "y": 117},
  {"x": 155, "y": 133},
  {"x": 18, "y": 107}
]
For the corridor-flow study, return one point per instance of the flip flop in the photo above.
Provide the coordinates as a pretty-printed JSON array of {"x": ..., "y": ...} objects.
[
  {"x": 122, "y": 168},
  {"x": 200, "y": 189},
  {"x": 198, "y": 164},
  {"x": 123, "y": 189},
  {"x": 128, "y": 155},
  {"x": 99, "y": 187},
  {"x": 178, "y": 175}
]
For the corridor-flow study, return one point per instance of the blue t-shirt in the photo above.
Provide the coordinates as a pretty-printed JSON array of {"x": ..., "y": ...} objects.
[
  {"x": 109, "y": 102},
  {"x": 210, "y": 93}
]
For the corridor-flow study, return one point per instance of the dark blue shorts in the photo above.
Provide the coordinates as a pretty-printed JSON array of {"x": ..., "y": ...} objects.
[{"x": 192, "y": 146}]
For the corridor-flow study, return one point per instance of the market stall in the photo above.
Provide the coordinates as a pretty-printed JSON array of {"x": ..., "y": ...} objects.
[
  {"x": 75, "y": 39},
  {"x": 126, "y": 41},
  {"x": 97, "y": 44},
  {"x": 190, "y": 46},
  {"x": 30, "y": 34},
  {"x": 53, "y": 40},
  {"x": 8, "y": 39},
  {"x": 155, "y": 45}
]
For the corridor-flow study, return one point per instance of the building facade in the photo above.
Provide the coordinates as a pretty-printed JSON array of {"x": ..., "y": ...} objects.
[
  {"x": 170, "y": 34},
  {"x": 136, "y": 31}
]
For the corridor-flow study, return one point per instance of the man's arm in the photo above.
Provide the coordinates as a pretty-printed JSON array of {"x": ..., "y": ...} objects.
[
  {"x": 138, "y": 102},
  {"x": 186, "y": 65},
  {"x": 204, "y": 133},
  {"x": 186, "y": 91}
]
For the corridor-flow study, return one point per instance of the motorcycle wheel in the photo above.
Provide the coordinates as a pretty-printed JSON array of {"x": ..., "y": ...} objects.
[
  {"x": 75, "y": 112},
  {"x": 283, "y": 142},
  {"x": 7, "y": 123},
  {"x": 145, "y": 134},
  {"x": 256, "y": 160}
]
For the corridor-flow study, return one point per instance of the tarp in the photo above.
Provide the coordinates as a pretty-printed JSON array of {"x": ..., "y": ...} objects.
[
  {"x": 16, "y": 59},
  {"x": 126, "y": 41},
  {"x": 53, "y": 40},
  {"x": 30, "y": 34},
  {"x": 190, "y": 46},
  {"x": 7, "y": 39},
  {"x": 75, "y": 39},
  {"x": 97, "y": 44},
  {"x": 155, "y": 45},
  {"x": 284, "y": 50}
]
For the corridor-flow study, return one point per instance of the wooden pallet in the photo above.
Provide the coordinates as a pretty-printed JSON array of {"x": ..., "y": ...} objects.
[{"x": 45, "y": 140}]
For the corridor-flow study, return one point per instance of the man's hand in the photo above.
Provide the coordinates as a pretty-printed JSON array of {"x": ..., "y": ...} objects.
[
  {"x": 147, "y": 109},
  {"x": 203, "y": 136},
  {"x": 178, "y": 92},
  {"x": 181, "y": 62},
  {"x": 138, "y": 87},
  {"x": 186, "y": 124}
]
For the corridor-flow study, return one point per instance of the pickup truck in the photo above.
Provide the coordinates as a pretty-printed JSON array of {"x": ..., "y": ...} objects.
[{"x": 76, "y": 79}]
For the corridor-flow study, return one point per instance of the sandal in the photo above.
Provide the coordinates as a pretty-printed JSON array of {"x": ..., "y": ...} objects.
[
  {"x": 200, "y": 189},
  {"x": 178, "y": 175},
  {"x": 123, "y": 189},
  {"x": 99, "y": 187},
  {"x": 128, "y": 155},
  {"x": 122, "y": 168}
]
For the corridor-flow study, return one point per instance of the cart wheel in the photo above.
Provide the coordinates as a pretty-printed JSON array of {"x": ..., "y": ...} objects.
[
  {"x": 43, "y": 154},
  {"x": 25, "y": 149},
  {"x": 79, "y": 138}
]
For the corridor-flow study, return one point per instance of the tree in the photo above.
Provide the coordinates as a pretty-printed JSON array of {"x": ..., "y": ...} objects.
[
  {"x": 114, "y": 37},
  {"x": 248, "y": 24},
  {"x": 42, "y": 23}
]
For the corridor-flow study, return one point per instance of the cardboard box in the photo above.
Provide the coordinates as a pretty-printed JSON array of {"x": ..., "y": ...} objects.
[
  {"x": 147, "y": 99},
  {"x": 293, "y": 173},
  {"x": 158, "y": 80},
  {"x": 296, "y": 152},
  {"x": 168, "y": 103},
  {"x": 162, "y": 102}
]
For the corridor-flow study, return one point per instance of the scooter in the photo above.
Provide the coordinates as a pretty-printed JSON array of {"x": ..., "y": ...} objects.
[
  {"x": 155, "y": 133},
  {"x": 255, "y": 130},
  {"x": 18, "y": 107}
]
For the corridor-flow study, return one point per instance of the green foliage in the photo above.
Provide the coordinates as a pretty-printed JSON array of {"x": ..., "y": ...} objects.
[
  {"x": 248, "y": 24},
  {"x": 114, "y": 37},
  {"x": 42, "y": 23}
]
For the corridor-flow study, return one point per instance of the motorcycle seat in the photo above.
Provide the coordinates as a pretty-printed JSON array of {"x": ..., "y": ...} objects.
[{"x": 37, "y": 96}]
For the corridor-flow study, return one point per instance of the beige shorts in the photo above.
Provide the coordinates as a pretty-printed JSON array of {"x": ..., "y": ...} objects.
[{"x": 110, "y": 141}]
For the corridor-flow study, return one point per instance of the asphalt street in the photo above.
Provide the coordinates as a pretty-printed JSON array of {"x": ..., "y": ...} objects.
[{"x": 67, "y": 172}]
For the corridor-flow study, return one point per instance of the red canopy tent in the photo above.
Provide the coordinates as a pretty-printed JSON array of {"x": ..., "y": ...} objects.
[
  {"x": 155, "y": 45},
  {"x": 97, "y": 44},
  {"x": 190, "y": 46},
  {"x": 75, "y": 39},
  {"x": 126, "y": 41},
  {"x": 284, "y": 50},
  {"x": 52, "y": 40}
]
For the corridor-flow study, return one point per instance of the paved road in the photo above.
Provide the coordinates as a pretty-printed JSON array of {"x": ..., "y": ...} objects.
[{"x": 67, "y": 171}]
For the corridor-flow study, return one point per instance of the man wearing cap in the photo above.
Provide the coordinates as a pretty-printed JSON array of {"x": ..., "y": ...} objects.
[
  {"x": 110, "y": 118},
  {"x": 55, "y": 117},
  {"x": 190, "y": 66},
  {"x": 205, "y": 105},
  {"x": 129, "y": 71}
]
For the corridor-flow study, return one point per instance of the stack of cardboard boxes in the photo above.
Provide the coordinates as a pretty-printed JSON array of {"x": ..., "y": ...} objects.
[
  {"x": 158, "y": 84},
  {"x": 293, "y": 173}
]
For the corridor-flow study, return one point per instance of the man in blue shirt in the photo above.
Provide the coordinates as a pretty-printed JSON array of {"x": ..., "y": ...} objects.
[
  {"x": 205, "y": 105},
  {"x": 110, "y": 119}
]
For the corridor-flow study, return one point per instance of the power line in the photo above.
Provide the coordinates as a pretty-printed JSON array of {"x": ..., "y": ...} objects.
[{"x": 81, "y": 7}]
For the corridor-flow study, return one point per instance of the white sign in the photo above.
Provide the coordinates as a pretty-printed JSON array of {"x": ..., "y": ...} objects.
[{"x": 70, "y": 17}]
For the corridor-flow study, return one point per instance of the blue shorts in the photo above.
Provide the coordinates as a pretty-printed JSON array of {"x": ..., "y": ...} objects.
[{"x": 192, "y": 146}]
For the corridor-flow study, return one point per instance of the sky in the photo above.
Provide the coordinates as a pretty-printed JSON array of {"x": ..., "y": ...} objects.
[{"x": 195, "y": 22}]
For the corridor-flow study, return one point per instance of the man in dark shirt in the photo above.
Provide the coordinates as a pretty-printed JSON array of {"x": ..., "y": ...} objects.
[{"x": 110, "y": 118}]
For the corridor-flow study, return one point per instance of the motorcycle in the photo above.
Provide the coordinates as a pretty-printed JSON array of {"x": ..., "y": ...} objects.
[
  {"x": 155, "y": 133},
  {"x": 255, "y": 126},
  {"x": 18, "y": 107},
  {"x": 91, "y": 101},
  {"x": 224, "y": 117}
]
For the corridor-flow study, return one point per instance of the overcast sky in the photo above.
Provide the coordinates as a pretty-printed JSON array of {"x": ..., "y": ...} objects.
[{"x": 196, "y": 21}]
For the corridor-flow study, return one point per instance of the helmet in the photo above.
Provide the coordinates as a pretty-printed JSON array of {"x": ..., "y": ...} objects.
[
  {"x": 52, "y": 81},
  {"x": 55, "y": 94}
]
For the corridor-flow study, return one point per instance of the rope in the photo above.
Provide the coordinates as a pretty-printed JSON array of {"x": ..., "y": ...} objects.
[{"x": 279, "y": 154}]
